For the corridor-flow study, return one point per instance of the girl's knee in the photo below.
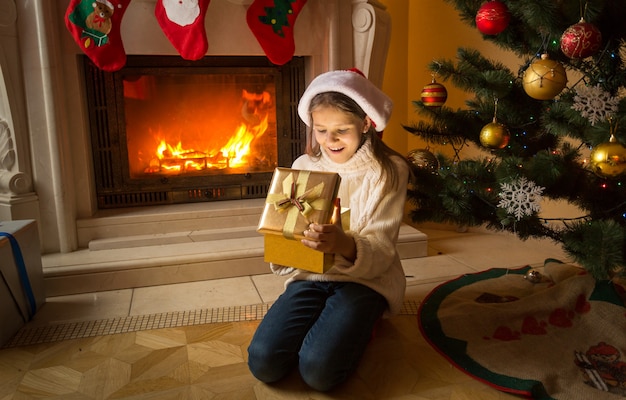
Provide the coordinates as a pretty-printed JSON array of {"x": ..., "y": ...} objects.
[
  {"x": 264, "y": 372},
  {"x": 259, "y": 364},
  {"x": 267, "y": 366},
  {"x": 321, "y": 374}
]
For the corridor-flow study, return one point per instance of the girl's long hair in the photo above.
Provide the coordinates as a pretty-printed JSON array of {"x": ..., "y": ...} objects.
[{"x": 382, "y": 152}]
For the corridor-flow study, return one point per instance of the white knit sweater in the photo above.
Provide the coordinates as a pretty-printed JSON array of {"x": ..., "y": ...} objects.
[{"x": 375, "y": 218}]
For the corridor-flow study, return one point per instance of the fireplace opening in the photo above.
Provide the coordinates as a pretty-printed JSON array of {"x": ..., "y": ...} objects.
[
  {"x": 166, "y": 130},
  {"x": 200, "y": 123}
]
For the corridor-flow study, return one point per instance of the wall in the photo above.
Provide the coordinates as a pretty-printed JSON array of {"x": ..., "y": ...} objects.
[
  {"x": 45, "y": 114},
  {"x": 396, "y": 73}
]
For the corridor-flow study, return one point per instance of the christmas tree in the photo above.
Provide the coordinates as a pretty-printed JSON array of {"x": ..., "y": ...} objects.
[{"x": 553, "y": 129}]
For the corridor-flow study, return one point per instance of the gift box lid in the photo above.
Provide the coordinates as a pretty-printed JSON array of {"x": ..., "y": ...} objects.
[{"x": 296, "y": 199}]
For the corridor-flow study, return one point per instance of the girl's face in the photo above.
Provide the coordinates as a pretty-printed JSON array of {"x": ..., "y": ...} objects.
[{"x": 338, "y": 133}]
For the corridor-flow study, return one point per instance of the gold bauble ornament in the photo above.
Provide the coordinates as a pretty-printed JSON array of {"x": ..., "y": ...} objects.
[
  {"x": 544, "y": 79},
  {"x": 423, "y": 159},
  {"x": 609, "y": 159},
  {"x": 494, "y": 135},
  {"x": 533, "y": 276}
]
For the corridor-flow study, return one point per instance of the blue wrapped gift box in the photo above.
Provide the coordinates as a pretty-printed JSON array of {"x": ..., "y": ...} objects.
[{"x": 22, "y": 290}]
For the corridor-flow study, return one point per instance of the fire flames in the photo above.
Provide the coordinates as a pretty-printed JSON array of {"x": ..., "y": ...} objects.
[{"x": 171, "y": 158}]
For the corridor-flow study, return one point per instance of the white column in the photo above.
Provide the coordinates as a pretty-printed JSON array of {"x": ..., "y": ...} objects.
[
  {"x": 17, "y": 198},
  {"x": 41, "y": 135},
  {"x": 371, "y": 34}
]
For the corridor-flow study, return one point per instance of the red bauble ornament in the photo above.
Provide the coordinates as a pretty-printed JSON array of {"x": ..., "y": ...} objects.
[
  {"x": 434, "y": 94},
  {"x": 581, "y": 40},
  {"x": 493, "y": 17}
]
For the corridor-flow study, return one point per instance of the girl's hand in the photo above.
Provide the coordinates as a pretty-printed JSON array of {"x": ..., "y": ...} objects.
[{"x": 330, "y": 238}]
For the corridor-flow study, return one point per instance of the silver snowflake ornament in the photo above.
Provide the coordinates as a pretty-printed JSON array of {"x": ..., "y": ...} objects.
[
  {"x": 520, "y": 197},
  {"x": 594, "y": 103}
]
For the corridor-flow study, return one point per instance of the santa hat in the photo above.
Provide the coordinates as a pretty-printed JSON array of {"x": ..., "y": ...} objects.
[{"x": 376, "y": 104}]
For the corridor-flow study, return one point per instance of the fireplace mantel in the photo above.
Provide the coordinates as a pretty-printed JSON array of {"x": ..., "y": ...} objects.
[{"x": 45, "y": 166}]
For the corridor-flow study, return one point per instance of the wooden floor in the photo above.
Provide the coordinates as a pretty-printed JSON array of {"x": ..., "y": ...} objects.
[{"x": 208, "y": 361}]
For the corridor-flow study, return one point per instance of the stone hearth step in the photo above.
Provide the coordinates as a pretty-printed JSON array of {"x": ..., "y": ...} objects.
[
  {"x": 123, "y": 263},
  {"x": 147, "y": 247},
  {"x": 411, "y": 242},
  {"x": 173, "y": 238}
]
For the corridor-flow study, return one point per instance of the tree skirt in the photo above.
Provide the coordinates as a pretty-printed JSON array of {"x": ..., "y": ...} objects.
[{"x": 561, "y": 338}]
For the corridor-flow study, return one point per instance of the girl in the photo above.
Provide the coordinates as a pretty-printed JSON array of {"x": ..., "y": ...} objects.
[{"x": 323, "y": 322}]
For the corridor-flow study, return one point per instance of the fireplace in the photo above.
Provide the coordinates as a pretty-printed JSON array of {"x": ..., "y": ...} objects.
[
  {"x": 69, "y": 166},
  {"x": 166, "y": 131},
  {"x": 55, "y": 175}
]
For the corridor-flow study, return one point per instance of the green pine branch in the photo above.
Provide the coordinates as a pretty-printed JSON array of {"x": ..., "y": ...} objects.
[{"x": 548, "y": 137}]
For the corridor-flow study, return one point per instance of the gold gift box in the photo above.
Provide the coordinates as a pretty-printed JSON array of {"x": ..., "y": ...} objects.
[
  {"x": 296, "y": 199},
  {"x": 292, "y": 253}
]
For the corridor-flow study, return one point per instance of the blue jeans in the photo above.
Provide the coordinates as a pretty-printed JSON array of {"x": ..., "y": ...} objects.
[{"x": 322, "y": 328}]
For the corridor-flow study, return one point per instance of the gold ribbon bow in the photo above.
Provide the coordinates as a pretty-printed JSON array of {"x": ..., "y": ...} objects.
[{"x": 296, "y": 200}]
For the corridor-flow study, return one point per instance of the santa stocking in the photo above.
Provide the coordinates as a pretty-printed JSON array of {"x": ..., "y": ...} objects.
[
  {"x": 95, "y": 27},
  {"x": 271, "y": 22},
  {"x": 182, "y": 21}
]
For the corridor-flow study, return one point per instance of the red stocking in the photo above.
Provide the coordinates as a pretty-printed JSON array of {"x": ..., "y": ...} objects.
[
  {"x": 95, "y": 27},
  {"x": 182, "y": 21},
  {"x": 271, "y": 22}
]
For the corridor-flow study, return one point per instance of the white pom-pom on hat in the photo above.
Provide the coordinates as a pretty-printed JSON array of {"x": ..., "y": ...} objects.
[{"x": 376, "y": 104}]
